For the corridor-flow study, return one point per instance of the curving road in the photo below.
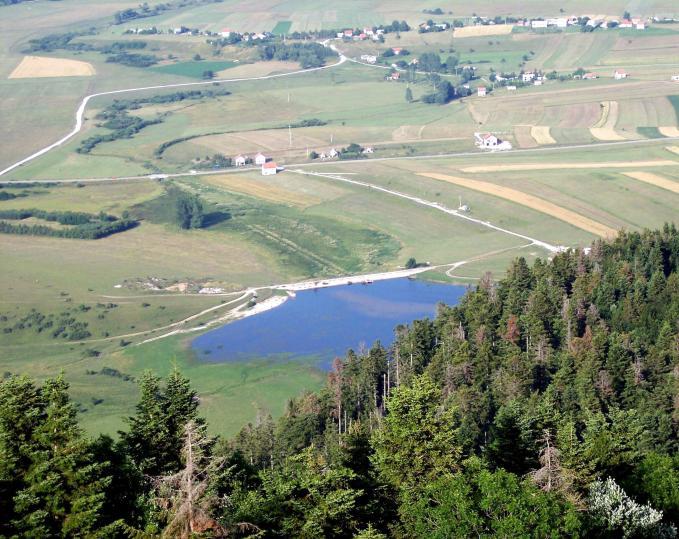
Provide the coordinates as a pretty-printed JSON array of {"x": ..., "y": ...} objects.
[{"x": 83, "y": 104}]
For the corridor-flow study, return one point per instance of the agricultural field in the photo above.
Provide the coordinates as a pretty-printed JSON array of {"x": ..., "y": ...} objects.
[{"x": 589, "y": 157}]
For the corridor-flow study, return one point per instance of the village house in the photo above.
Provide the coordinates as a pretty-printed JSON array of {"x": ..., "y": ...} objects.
[
  {"x": 485, "y": 140},
  {"x": 625, "y": 23},
  {"x": 397, "y": 50},
  {"x": 333, "y": 153},
  {"x": 481, "y": 91},
  {"x": 619, "y": 74},
  {"x": 394, "y": 76},
  {"x": 538, "y": 24},
  {"x": 528, "y": 76},
  {"x": 368, "y": 149},
  {"x": 590, "y": 76},
  {"x": 674, "y": 78},
  {"x": 369, "y": 58},
  {"x": 511, "y": 88},
  {"x": 270, "y": 168},
  {"x": 348, "y": 33},
  {"x": 239, "y": 160},
  {"x": 260, "y": 159},
  {"x": 537, "y": 82}
]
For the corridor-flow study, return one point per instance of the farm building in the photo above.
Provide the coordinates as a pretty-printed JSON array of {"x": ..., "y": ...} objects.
[
  {"x": 239, "y": 160},
  {"x": 487, "y": 140},
  {"x": 481, "y": 91},
  {"x": 260, "y": 159},
  {"x": 269, "y": 169},
  {"x": 620, "y": 74}
]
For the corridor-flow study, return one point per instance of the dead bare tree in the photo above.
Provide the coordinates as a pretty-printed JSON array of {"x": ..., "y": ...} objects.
[
  {"x": 551, "y": 476},
  {"x": 185, "y": 495}
]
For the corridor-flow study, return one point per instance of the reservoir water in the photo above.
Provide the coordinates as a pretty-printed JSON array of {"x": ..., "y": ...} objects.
[{"x": 319, "y": 325}]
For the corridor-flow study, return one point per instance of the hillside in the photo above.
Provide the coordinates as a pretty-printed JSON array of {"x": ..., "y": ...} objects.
[{"x": 544, "y": 405}]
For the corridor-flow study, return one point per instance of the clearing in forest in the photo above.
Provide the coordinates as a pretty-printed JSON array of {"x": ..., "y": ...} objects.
[
  {"x": 530, "y": 201},
  {"x": 40, "y": 66},
  {"x": 481, "y": 31},
  {"x": 565, "y": 166},
  {"x": 541, "y": 134},
  {"x": 654, "y": 179}
]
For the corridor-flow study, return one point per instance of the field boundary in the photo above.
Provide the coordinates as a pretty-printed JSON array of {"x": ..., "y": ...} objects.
[
  {"x": 655, "y": 180},
  {"x": 529, "y": 201}
]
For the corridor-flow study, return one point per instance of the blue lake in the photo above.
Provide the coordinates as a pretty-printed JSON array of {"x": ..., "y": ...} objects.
[{"x": 319, "y": 325}]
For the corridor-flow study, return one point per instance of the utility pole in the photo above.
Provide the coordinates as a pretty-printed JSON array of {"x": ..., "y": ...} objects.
[{"x": 290, "y": 134}]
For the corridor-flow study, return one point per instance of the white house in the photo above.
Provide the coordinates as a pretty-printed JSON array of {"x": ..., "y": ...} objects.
[
  {"x": 537, "y": 83},
  {"x": 368, "y": 149},
  {"x": 511, "y": 88},
  {"x": 397, "y": 50},
  {"x": 239, "y": 160},
  {"x": 486, "y": 140},
  {"x": 538, "y": 24},
  {"x": 270, "y": 168},
  {"x": 619, "y": 74},
  {"x": 528, "y": 76},
  {"x": 481, "y": 91},
  {"x": 260, "y": 159},
  {"x": 333, "y": 153}
]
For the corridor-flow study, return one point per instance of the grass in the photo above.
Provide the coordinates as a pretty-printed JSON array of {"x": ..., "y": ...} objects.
[
  {"x": 674, "y": 100},
  {"x": 194, "y": 69},
  {"x": 291, "y": 226},
  {"x": 649, "y": 132},
  {"x": 282, "y": 28}
]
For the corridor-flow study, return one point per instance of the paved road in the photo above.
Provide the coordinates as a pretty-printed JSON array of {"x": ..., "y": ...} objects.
[
  {"x": 358, "y": 162},
  {"x": 83, "y": 104}
]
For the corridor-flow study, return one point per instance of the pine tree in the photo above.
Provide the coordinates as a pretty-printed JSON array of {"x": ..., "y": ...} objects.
[{"x": 59, "y": 487}]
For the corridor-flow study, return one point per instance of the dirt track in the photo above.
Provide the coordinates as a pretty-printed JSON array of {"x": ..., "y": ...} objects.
[{"x": 530, "y": 201}]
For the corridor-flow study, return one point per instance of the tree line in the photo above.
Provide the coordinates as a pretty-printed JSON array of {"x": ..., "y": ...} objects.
[
  {"x": 307, "y": 54},
  {"x": 85, "y": 226},
  {"x": 543, "y": 405}
]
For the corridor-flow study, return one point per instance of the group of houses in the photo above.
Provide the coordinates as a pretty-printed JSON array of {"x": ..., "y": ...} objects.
[
  {"x": 565, "y": 22},
  {"x": 488, "y": 141},
  {"x": 268, "y": 167},
  {"x": 362, "y": 35}
]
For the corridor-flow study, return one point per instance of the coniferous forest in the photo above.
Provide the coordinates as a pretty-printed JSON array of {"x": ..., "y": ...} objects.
[{"x": 543, "y": 405}]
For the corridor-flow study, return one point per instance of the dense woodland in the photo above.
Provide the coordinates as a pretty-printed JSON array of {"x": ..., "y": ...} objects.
[{"x": 543, "y": 405}]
